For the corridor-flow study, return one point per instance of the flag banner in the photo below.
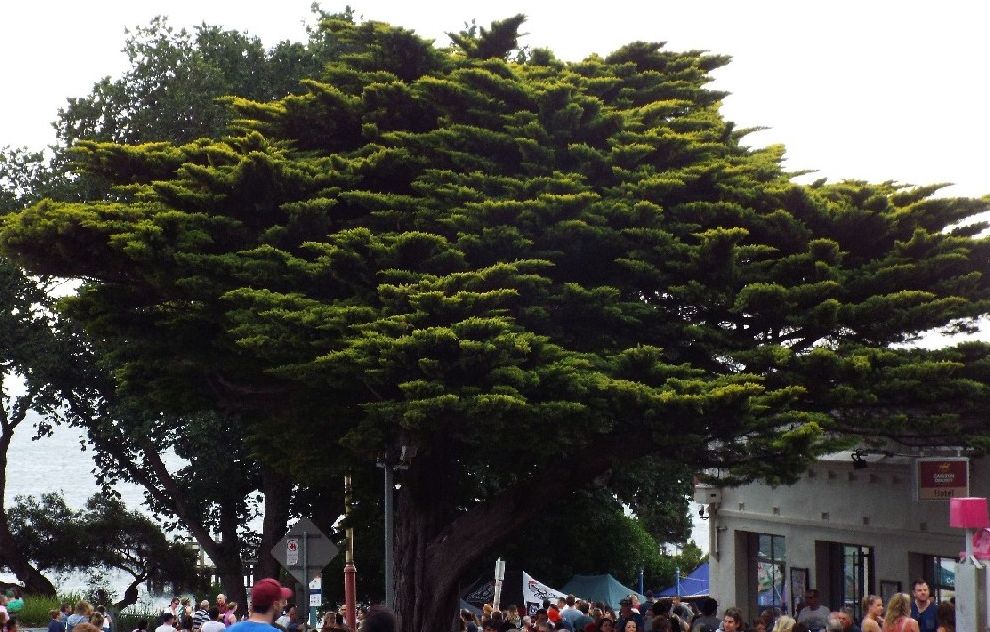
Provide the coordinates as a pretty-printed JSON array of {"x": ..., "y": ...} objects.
[{"x": 534, "y": 593}]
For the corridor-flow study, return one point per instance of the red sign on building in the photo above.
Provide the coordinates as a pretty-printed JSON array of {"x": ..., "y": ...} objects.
[{"x": 942, "y": 479}]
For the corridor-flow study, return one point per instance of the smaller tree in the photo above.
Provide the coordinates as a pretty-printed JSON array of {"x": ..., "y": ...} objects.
[{"x": 104, "y": 535}]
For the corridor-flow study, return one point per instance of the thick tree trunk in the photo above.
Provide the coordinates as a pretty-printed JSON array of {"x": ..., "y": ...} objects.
[
  {"x": 278, "y": 492},
  {"x": 435, "y": 545},
  {"x": 426, "y": 596},
  {"x": 130, "y": 594},
  {"x": 232, "y": 580},
  {"x": 228, "y": 561}
]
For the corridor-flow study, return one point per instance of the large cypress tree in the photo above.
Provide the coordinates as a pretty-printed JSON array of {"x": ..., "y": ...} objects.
[{"x": 535, "y": 272}]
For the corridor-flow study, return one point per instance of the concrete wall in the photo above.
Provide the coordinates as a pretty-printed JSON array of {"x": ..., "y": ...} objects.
[{"x": 872, "y": 507}]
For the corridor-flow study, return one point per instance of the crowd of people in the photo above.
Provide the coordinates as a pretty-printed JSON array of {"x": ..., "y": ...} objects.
[
  {"x": 11, "y": 602},
  {"x": 181, "y": 616},
  {"x": 270, "y": 607},
  {"x": 901, "y": 614}
]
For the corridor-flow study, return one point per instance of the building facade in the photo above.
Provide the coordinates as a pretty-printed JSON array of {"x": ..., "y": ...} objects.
[{"x": 845, "y": 528}]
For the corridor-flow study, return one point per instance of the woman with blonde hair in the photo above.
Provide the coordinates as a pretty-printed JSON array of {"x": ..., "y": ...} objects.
[
  {"x": 898, "y": 617},
  {"x": 784, "y": 624}
]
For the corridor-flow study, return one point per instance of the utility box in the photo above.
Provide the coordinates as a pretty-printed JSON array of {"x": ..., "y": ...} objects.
[{"x": 971, "y": 598}]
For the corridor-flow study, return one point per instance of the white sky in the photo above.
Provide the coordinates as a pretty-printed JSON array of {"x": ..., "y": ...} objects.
[{"x": 874, "y": 90}]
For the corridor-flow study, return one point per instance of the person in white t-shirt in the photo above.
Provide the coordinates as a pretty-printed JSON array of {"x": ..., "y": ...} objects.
[
  {"x": 213, "y": 624},
  {"x": 813, "y": 615},
  {"x": 168, "y": 623}
]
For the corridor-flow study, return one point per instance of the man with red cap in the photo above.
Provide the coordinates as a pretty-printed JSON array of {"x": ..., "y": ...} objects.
[{"x": 268, "y": 597}]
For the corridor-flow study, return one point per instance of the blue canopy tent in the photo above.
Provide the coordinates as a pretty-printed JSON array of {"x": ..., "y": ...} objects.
[
  {"x": 695, "y": 584},
  {"x": 604, "y": 588}
]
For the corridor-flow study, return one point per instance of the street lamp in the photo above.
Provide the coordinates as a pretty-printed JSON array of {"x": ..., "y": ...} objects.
[{"x": 389, "y": 464}]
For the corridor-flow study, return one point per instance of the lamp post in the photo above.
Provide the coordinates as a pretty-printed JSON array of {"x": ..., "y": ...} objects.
[
  {"x": 499, "y": 576},
  {"x": 389, "y": 464},
  {"x": 350, "y": 571}
]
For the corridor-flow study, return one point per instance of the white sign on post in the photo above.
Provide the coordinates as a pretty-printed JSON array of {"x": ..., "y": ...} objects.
[
  {"x": 292, "y": 552},
  {"x": 316, "y": 592}
]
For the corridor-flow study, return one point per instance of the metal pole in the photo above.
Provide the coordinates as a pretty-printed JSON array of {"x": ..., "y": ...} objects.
[
  {"x": 677, "y": 576},
  {"x": 641, "y": 591},
  {"x": 305, "y": 556},
  {"x": 350, "y": 572},
  {"x": 389, "y": 535}
]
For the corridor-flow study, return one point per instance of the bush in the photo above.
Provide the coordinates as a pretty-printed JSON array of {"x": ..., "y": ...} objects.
[
  {"x": 128, "y": 619},
  {"x": 36, "y": 609}
]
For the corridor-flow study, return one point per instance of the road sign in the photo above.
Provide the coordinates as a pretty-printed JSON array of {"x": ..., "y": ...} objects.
[
  {"x": 316, "y": 592},
  {"x": 304, "y": 551},
  {"x": 292, "y": 552}
]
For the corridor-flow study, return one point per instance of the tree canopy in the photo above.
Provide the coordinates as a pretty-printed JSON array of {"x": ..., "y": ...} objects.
[
  {"x": 535, "y": 272},
  {"x": 104, "y": 534},
  {"x": 172, "y": 91}
]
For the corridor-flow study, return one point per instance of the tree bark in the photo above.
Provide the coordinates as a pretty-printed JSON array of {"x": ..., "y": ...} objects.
[
  {"x": 278, "y": 492},
  {"x": 426, "y": 599},
  {"x": 228, "y": 561},
  {"x": 130, "y": 593},
  {"x": 435, "y": 544}
]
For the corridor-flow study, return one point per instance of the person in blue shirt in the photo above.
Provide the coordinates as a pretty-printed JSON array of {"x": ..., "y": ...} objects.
[
  {"x": 923, "y": 608},
  {"x": 268, "y": 597},
  {"x": 56, "y": 624}
]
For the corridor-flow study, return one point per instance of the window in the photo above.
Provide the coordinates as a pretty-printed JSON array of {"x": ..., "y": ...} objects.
[
  {"x": 851, "y": 575},
  {"x": 768, "y": 564},
  {"x": 941, "y": 575}
]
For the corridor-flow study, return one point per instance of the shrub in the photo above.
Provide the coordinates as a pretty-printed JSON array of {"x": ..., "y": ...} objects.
[{"x": 36, "y": 609}]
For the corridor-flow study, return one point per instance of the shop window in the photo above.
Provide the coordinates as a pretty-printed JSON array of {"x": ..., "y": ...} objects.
[
  {"x": 767, "y": 565},
  {"x": 851, "y": 575},
  {"x": 941, "y": 575}
]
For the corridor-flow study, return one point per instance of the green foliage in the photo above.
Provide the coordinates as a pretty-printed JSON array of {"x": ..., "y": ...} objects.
[
  {"x": 498, "y": 41},
  {"x": 588, "y": 533},
  {"x": 102, "y": 535},
  {"x": 537, "y": 273},
  {"x": 129, "y": 618},
  {"x": 176, "y": 78},
  {"x": 484, "y": 249},
  {"x": 172, "y": 91},
  {"x": 24, "y": 178},
  {"x": 36, "y": 609},
  {"x": 35, "y": 613}
]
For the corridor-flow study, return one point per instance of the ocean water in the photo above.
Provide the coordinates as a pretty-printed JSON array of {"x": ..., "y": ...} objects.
[{"x": 58, "y": 463}]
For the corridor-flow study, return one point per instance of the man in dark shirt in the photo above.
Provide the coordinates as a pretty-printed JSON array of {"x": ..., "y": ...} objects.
[{"x": 923, "y": 607}]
